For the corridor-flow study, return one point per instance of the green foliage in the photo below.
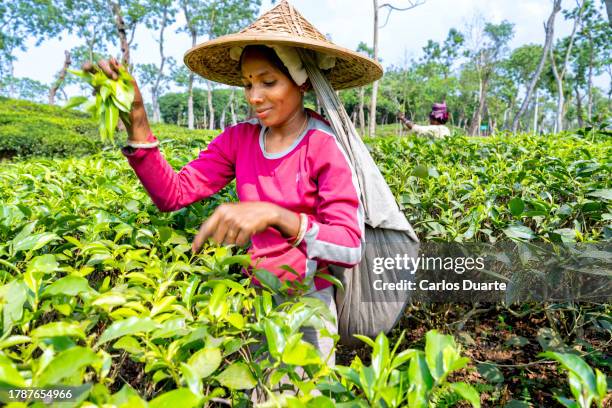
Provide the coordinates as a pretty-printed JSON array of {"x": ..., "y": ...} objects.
[
  {"x": 31, "y": 129},
  {"x": 113, "y": 97},
  {"x": 586, "y": 386},
  {"x": 411, "y": 377},
  {"x": 95, "y": 282},
  {"x": 549, "y": 188}
]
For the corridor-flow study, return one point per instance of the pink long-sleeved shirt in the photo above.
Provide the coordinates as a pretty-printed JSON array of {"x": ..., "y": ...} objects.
[{"x": 313, "y": 176}]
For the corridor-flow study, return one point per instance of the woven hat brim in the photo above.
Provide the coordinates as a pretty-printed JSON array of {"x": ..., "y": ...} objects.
[{"x": 211, "y": 59}]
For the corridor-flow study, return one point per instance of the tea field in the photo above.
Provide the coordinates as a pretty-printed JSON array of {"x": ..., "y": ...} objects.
[{"x": 100, "y": 291}]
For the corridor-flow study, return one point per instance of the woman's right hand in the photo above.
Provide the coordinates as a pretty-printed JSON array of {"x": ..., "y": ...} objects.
[{"x": 138, "y": 127}]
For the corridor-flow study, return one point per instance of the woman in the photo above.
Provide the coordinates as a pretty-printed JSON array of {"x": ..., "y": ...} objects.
[
  {"x": 437, "y": 120},
  {"x": 299, "y": 200}
]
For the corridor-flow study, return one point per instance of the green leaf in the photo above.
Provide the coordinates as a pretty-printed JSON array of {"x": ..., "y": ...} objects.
[
  {"x": 75, "y": 101},
  {"x": 43, "y": 263},
  {"x": 577, "y": 366},
  {"x": 275, "y": 338},
  {"x": 268, "y": 280},
  {"x": 519, "y": 232},
  {"x": 68, "y": 285},
  {"x": 602, "y": 384},
  {"x": 605, "y": 193},
  {"x": 127, "y": 397},
  {"x": 33, "y": 242},
  {"x": 181, "y": 397},
  {"x": 380, "y": 354},
  {"x": 191, "y": 379},
  {"x": 237, "y": 377},
  {"x": 121, "y": 96},
  {"x": 437, "y": 347},
  {"x": 300, "y": 353},
  {"x": 236, "y": 320},
  {"x": 421, "y": 382},
  {"x": 56, "y": 329},
  {"x": 517, "y": 206},
  {"x": 12, "y": 297},
  {"x": 129, "y": 326},
  {"x": 9, "y": 374},
  {"x": 567, "y": 403},
  {"x": 421, "y": 171},
  {"x": 467, "y": 392},
  {"x": 205, "y": 361},
  {"x": 129, "y": 344},
  {"x": 66, "y": 364},
  {"x": 217, "y": 305},
  {"x": 111, "y": 119}
]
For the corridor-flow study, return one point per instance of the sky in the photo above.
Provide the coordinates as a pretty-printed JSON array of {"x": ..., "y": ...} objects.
[{"x": 347, "y": 22}]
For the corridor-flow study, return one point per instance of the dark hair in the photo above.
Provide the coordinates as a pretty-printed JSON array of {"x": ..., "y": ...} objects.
[{"x": 269, "y": 54}]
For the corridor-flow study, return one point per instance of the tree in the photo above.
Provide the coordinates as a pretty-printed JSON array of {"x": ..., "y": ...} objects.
[
  {"x": 390, "y": 8},
  {"x": 24, "y": 88},
  {"x": 160, "y": 16},
  {"x": 592, "y": 49},
  {"x": 60, "y": 78},
  {"x": 91, "y": 21},
  {"x": 213, "y": 18},
  {"x": 363, "y": 48},
  {"x": 549, "y": 30},
  {"x": 128, "y": 15},
  {"x": 489, "y": 45},
  {"x": 24, "y": 19},
  {"x": 559, "y": 71}
]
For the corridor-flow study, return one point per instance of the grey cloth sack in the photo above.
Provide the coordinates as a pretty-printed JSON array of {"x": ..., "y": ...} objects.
[{"x": 361, "y": 309}]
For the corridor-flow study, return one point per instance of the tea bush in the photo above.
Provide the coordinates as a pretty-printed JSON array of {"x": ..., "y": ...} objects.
[{"x": 99, "y": 289}]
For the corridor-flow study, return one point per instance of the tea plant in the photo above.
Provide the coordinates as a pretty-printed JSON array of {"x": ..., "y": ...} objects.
[
  {"x": 113, "y": 97},
  {"x": 586, "y": 386},
  {"x": 99, "y": 289}
]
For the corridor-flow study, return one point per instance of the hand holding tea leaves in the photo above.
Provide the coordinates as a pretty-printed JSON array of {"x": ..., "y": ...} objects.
[{"x": 116, "y": 96}]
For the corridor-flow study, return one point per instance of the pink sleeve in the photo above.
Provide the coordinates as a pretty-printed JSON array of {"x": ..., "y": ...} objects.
[
  {"x": 200, "y": 178},
  {"x": 334, "y": 234}
]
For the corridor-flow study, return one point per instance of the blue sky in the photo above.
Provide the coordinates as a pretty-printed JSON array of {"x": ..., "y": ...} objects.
[{"x": 348, "y": 22}]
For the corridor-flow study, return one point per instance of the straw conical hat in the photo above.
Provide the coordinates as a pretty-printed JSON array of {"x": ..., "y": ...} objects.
[{"x": 282, "y": 25}]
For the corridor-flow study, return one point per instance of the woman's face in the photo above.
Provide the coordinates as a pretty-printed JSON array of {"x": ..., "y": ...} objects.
[{"x": 275, "y": 98}]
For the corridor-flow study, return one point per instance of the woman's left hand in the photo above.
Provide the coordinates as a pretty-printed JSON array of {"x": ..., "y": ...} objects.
[{"x": 236, "y": 223}]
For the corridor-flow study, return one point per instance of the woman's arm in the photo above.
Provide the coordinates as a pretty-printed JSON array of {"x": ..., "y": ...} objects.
[
  {"x": 201, "y": 178},
  {"x": 334, "y": 235}
]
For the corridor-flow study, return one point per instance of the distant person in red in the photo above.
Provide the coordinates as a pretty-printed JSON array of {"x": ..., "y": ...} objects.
[{"x": 437, "y": 121}]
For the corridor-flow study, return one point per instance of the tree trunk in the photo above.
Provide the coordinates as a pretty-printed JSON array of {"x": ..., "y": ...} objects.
[
  {"x": 375, "y": 84},
  {"x": 190, "y": 117},
  {"x": 60, "y": 78},
  {"x": 211, "y": 109},
  {"x": 505, "y": 122},
  {"x": 535, "y": 114},
  {"x": 559, "y": 75},
  {"x": 160, "y": 73},
  {"x": 560, "y": 99},
  {"x": 476, "y": 117},
  {"x": 549, "y": 29},
  {"x": 590, "y": 82},
  {"x": 122, "y": 30},
  {"x": 578, "y": 105},
  {"x": 232, "y": 110},
  {"x": 222, "y": 118},
  {"x": 609, "y": 7},
  {"x": 361, "y": 114}
]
